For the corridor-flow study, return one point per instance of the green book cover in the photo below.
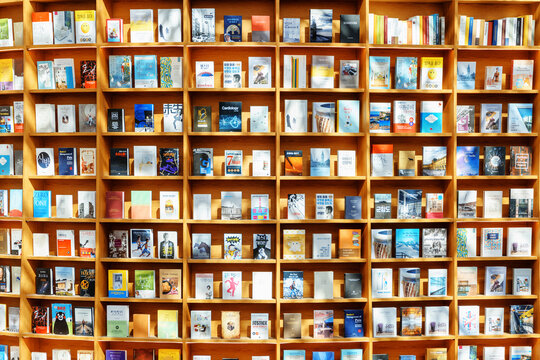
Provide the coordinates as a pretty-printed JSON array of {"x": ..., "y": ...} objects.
[
  {"x": 4, "y": 29},
  {"x": 117, "y": 320},
  {"x": 141, "y": 204},
  {"x": 145, "y": 284},
  {"x": 167, "y": 324}
]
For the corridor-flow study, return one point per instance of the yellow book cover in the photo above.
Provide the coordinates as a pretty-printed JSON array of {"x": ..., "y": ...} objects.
[
  {"x": 349, "y": 243},
  {"x": 432, "y": 73},
  {"x": 168, "y": 354},
  {"x": 167, "y": 324},
  {"x": 525, "y": 20},
  {"x": 230, "y": 324},
  {"x": 467, "y": 21},
  {"x": 170, "y": 280},
  {"x": 118, "y": 284},
  {"x": 85, "y": 26},
  {"x": 407, "y": 163},
  {"x": 436, "y": 353},
  {"x": 6, "y": 74},
  {"x": 294, "y": 244}
]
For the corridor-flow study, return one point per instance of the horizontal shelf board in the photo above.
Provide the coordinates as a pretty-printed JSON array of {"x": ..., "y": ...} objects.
[
  {"x": 322, "y": 45},
  {"x": 227, "y": 301},
  {"x": 61, "y": 258},
  {"x": 318, "y": 134},
  {"x": 497, "y": 92},
  {"x": 509, "y": 135},
  {"x": 141, "y": 339},
  {"x": 132, "y": 133},
  {"x": 143, "y": 90},
  {"x": 423, "y": 220},
  {"x": 323, "y": 90},
  {"x": 413, "y": 338},
  {"x": 323, "y": 261},
  {"x": 13, "y": 134},
  {"x": 60, "y": 297},
  {"x": 63, "y": 91},
  {"x": 231, "y": 341},
  {"x": 323, "y": 301},
  {"x": 231, "y": 133},
  {"x": 409, "y": 91},
  {"x": 496, "y": 48},
  {"x": 11, "y": 92},
  {"x": 412, "y": 260},
  {"x": 56, "y": 134},
  {"x": 415, "y": 134},
  {"x": 139, "y": 261},
  {"x": 57, "y": 337},
  {"x": 10, "y": 177},
  {"x": 9, "y": 295},
  {"x": 501, "y": 258},
  {"x": 232, "y": 90},
  {"x": 139, "y": 300},
  {"x": 335, "y": 339},
  {"x": 409, "y": 178},
  {"x": 62, "y": 177},
  {"x": 145, "y": 178},
  {"x": 497, "y": 220},
  {"x": 142, "y": 221},
  {"x": 317, "y": 178},
  {"x": 10, "y": 257},
  {"x": 498, "y": 177},
  {"x": 10, "y": 48},
  {"x": 10, "y": 218},
  {"x": 504, "y": 297},
  {"x": 255, "y": 178},
  {"x": 415, "y": 299},
  {"x": 61, "y": 46},
  {"x": 324, "y": 221},
  {"x": 61, "y": 220},
  {"x": 9, "y": 334},
  {"x": 410, "y": 47},
  {"x": 229, "y": 261},
  {"x": 232, "y": 222},
  {"x": 498, "y": 336},
  {"x": 234, "y": 44},
  {"x": 108, "y": 45}
]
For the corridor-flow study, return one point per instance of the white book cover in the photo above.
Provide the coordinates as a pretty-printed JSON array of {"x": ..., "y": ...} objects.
[
  {"x": 384, "y": 321},
  {"x": 144, "y": 160},
  {"x": 167, "y": 244},
  {"x": 61, "y": 354},
  {"x": 323, "y": 284},
  {"x": 437, "y": 282},
  {"x": 86, "y": 204},
  {"x": 322, "y": 246},
  {"x": 40, "y": 243},
  {"x": 324, "y": 206},
  {"x": 493, "y": 204},
  {"x": 323, "y": 117},
  {"x": 42, "y": 30},
  {"x": 322, "y": 72},
  {"x": 258, "y": 120},
  {"x": 3, "y": 317},
  {"x": 202, "y": 206},
  {"x": 259, "y": 326},
  {"x": 261, "y": 163},
  {"x": 64, "y": 27},
  {"x": 64, "y": 206},
  {"x": 169, "y": 204},
  {"x": 494, "y": 321},
  {"x": 381, "y": 283},
  {"x": 173, "y": 117},
  {"x": 296, "y": 115},
  {"x": 16, "y": 241},
  {"x": 204, "y": 286},
  {"x": 66, "y": 118},
  {"x": 521, "y": 282},
  {"x": 294, "y": 71},
  {"x": 469, "y": 320},
  {"x": 262, "y": 285},
  {"x": 492, "y": 241},
  {"x": 201, "y": 324},
  {"x": 436, "y": 320},
  {"x": 404, "y": 116},
  {"x": 232, "y": 74},
  {"x": 45, "y": 161},
  {"x": 169, "y": 25},
  {"x": 142, "y": 25},
  {"x": 204, "y": 74},
  {"x": 346, "y": 163},
  {"x": 232, "y": 285},
  {"x": 260, "y": 72},
  {"x": 519, "y": 241},
  {"x": 39, "y": 355},
  {"x": 495, "y": 281},
  {"x": 45, "y": 118},
  {"x": 494, "y": 353},
  {"x": 13, "y": 319},
  {"x": 87, "y": 161}
]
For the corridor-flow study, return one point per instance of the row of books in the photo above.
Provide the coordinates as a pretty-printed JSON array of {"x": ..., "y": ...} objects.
[
  {"x": 12, "y": 118},
  {"x": 86, "y": 208},
  {"x": 11, "y": 313},
  {"x": 519, "y": 120},
  {"x": 66, "y": 320},
  {"x": 64, "y": 282},
  {"x": 60, "y": 74},
  {"x": 62, "y": 118},
  {"x": 10, "y": 282},
  {"x": 12, "y": 33},
  {"x": 417, "y": 30},
  {"x": 495, "y": 352},
  {"x": 14, "y": 202},
  {"x": 70, "y": 27},
  {"x": 11, "y": 241},
  {"x": 431, "y": 74},
  {"x": 521, "y": 75},
  {"x": 494, "y": 281},
  {"x": 67, "y": 161},
  {"x": 437, "y": 320},
  {"x": 173, "y": 118},
  {"x": 57, "y": 354},
  {"x": 508, "y": 31}
]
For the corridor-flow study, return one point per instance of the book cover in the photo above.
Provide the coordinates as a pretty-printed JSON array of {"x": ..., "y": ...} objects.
[
  {"x": 323, "y": 117},
  {"x": 379, "y": 72},
  {"x": 348, "y": 73},
  {"x": 204, "y": 74},
  {"x": 411, "y": 321},
  {"x": 296, "y": 115},
  {"x": 348, "y": 116},
  {"x": 259, "y": 326},
  {"x": 468, "y": 160},
  {"x": 230, "y": 324},
  {"x": 520, "y": 160},
  {"x": 232, "y": 246},
  {"x": 432, "y": 73},
  {"x": 262, "y": 246},
  {"x": 320, "y": 25},
  {"x": 434, "y": 242},
  {"x": 434, "y": 161},
  {"x": 142, "y": 25},
  {"x": 169, "y": 162},
  {"x": 382, "y": 160},
  {"x": 170, "y": 280},
  {"x": 520, "y": 118},
  {"x": 62, "y": 319},
  {"x": 260, "y": 28},
  {"x": 293, "y": 284},
  {"x": 294, "y": 244},
  {"x": 466, "y": 75},
  {"x": 381, "y": 243},
  {"x": 167, "y": 324},
  {"x": 115, "y": 30},
  {"x": 88, "y": 74},
  {"x": 291, "y": 30},
  {"x": 170, "y": 70},
  {"x": 437, "y": 282},
  {"x": 381, "y": 283},
  {"x": 353, "y": 207},
  {"x": 404, "y": 119},
  {"x": 494, "y": 321},
  {"x": 467, "y": 281},
  {"x": 495, "y": 281},
  {"x": 202, "y": 119},
  {"x": 522, "y": 74},
  {"x": 406, "y": 72},
  {"x": 493, "y": 78},
  {"x": 231, "y": 205},
  {"x": 406, "y": 163},
  {"x": 349, "y": 28},
  {"x": 466, "y": 242},
  {"x": 120, "y": 71},
  {"x": 145, "y": 284},
  {"x": 323, "y": 324},
  {"x": 384, "y": 323},
  {"x": 322, "y": 72},
  {"x": 230, "y": 116},
  {"x": 232, "y": 285},
  {"x": 521, "y": 203},
  {"x": 465, "y": 119},
  {"x": 436, "y": 320},
  {"x": 409, "y": 204},
  {"x": 118, "y": 284},
  {"x": 118, "y": 244},
  {"x": 169, "y": 25},
  {"x": 83, "y": 321},
  {"x": 85, "y": 26},
  {"x": 292, "y": 326},
  {"x": 431, "y": 116},
  {"x": 353, "y": 323},
  {"x": 232, "y": 74},
  {"x": 87, "y": 282},
  {"x": 407, "y": 243},
  {"x": 353, "y": 285},
  {"x": 521, "y": 319},
  {"x": 491, "y": 118},
  {"x": 203, "y": 25},
  {"x": 142, "y": 243},
  {"x": 258, "y": 120},
  {"x": 379, "y": 117},
  {"x": 260, "y": 72},
  {"x": 382, "y": 206},
  {"x": 260, "y": 207},
  {"x": 469, "y": 320},
  {"x": 173, "y": 117},
  {"x": 117, "y": 321},
  {"x": 232, "y": 28}
]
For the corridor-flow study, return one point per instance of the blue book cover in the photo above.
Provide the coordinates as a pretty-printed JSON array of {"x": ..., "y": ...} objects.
[
  {"x": 4, "y": 352},
  {"x": 291, "y": 30},
  {"x": 294, "y": 354},
  {"x": 45, "y": 72},
  {"x": 466, "y": 75},
  {"x": 352, "y": 354},
  {"x": 348, "y": 116},
  {"x": 470, "y": 34},
  {"x": 406, "y": 72},
  {"x": 431, "y": 116},
  {"x": 293, "y": 284},
  {"x": 232, "y": 28},
  {"x": 144, "y": 117},
  {"x": 42, "y": 204},
  {"x": 66, "y": 161},
  {"x": 230, "y": 116},
  {"x": 145, "y": 71},
  {"x": 354, "y": 323},
  {"x": 379, "y": 72},
  {"x": 407, "y": 357},
  {"x": 62, "y": 319},
  {"x": 15, "y": 202},
  {"x": 409, "y": 204},
  {"x": 320, "y": 162},
  {"x": 70, "y": 77},
  {"x": 323, "y": 355},
  {"x": 407, "y": 243},
  {"x": 5, "y": 164},
  {"x": 120, "y": 71},
  {"x": 495, "y": 29},
  {"x": 468, "y": 160},
  {"x": 353, "y": 207},
  {"x": 115, "y": 354},
  {"x": 520, "y": 118}
]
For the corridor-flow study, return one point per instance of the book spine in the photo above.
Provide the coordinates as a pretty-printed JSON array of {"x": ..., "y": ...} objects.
[
  {"x": 385, "y": 30},
  {"x": 462, "y": 27},
  {"x": 371, "y": 32}
]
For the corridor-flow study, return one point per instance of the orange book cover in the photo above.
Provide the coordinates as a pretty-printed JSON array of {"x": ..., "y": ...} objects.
[
  {"x": 293, "y": 163},
  {"x": 409, "y": 32},
  {"x": 64, "y": 247},
  {"x": 41, "y": 16},
  {"x": 141, "y": 325},
  {"x": 349, "y": 243},
  {"x": 260, "y": 23},
  {"x": 382, "y": 149}
]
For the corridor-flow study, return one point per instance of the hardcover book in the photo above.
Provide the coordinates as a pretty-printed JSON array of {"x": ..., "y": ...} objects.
[
  {"x": 260, "y": 28},
  {"x": 411, "y": 321},
  {"x": 348, "y": 116},
  {"x": 495, "y": 281},
  {"x": 493, "y": 78},
  {"x": 522, "y": 74},
  {"x": 491, "y": 118},
  {"x": 232, "y": 28},
  {"x": 203, "y": 25},
  {"x": 120, "y": 71},
  {"x": 466, "y": 242},
  {"x": 407, "y": 243},
  {"x": 434, "y": 161},
  {"x": 201, "y": 324},
  {"x": 382, "y": 160},
  {"x": 204, "y": 74},
  {"x": 467, "y": 281},
  {"x": 381, "y": 283},
  {"x": 230, "y": 324},
  {"x": 230, "y": 116},
  {"x": 349, "y": 28},
  {"x": 262, "y": 246},
  {"x": 409, "y": 204},
  {"x": 381, "y": 243},
  {"x": 434, "y": 242},
  {"x": 379, "y": 117},
  {"x": 384, "y": 322},
  {"x": 520, "y": 160},
  {"x": 494, "y": 160},
  {"x": 260, "y": 72},
  {"x": 468, "y": 160},
  {"x": 291, "y": 30},
  {"x": 232, "y": 74},
  {"x": 379, "y": 72},
  {"x": 406, "y": 72},
  {"x": 349, "y": 73},
  {"x": 323, "y": 324},
  {"x": 431, "y": 116},
  {"x": 232, "y": 285},
  {"x": 170, "y": 71},
  {"x": 324, "y": 117},
  {"x": 404, "y": 119},
  {"x": 293, "y": 284},
  {"x": 437, "y": 282},
  {"x": 294, "y": 244},
  {"x": 320, "y": 25},
  {"x": 169, "y": 25},
  {"x": 466, "y": 75},
  {"x": 383, "y": 206},
  {"x": 520, "y": 118}
]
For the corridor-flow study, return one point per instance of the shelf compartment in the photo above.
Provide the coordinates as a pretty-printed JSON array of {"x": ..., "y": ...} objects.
[
  {"x": 324, "y": 261},
  {"x": 61, "y": 47},
  {"x": 150, "y": 134},
  {"x": 429, "y": 135},
  {"x": 144, "y": 178},
  {"x": 57, "y": 337},
  {"x": 63, "y": 91},
  {"x": 228, "y": 261},
  {"x": 60, "y": 298},
  {"x": 227, "y": 178},
  {"x": 231, "y": 133},
  {"x": 501, "y": 258},
  {"x": 61, "y": 220},
  {"x": 319, "y": 90},
  {"x": 410, "y": 178},
  {"x": 142, "y": 90}
]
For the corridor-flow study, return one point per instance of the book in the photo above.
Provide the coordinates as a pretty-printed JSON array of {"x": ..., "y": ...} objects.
[
  {"x": 465, "y": 119},
  {"x": 348, "y": 73},
  {"x": 118, "y": 284},
  {"x": 491, "y": 118},
  {"x": 83, "y": 321},
  {"x": 67, "y": 161},
  {"x": 65, "y": 243},
  {"x": 167, "y": 244},
  {"x": 518, "y": 241},
  {"x": 521, "y": 281},
  {"x": 348, "y": 116},
  {"x": 296, "y": 115},
  {"x": 232, "y": 28},
  {"x": 384, "y": 321},
  {"x": 522, "y": 74},
  {"x": 436, "y": 321},
  {"x": 521, "y": 319},
  {"x": 170, "y": 71},
  {"x": 203, "y": 25},
  {"x": 85, "y": 26},
  {"x": 467, "y": 281},
  {"x": 66, "y": 118},
  {"x": 7, "y": 75},
  {"x": 115, "y": 30},
  {"x": 466, "y": 75},
  {"x": 167, "y": 324},
  {"x": 118, "y": 244},
  {"x": 349, "y": 243},
  {"x": 431, "y": 116},
  {"x": 353, "y": 207},
  {"x": 495, "y": 281},
  {"x": 466, "y": 242},
  {"x": 494, "y": 160},
  {"x": 409, "y": 282},
  {"x": 142, "y": 243},
  {"x": 406, "y": 163},
  {"x": 467, "y": 160},
  {"x": 42, "y": 28},
  {"x": 261, "y": 163},
  {"x": 260, "y": 28},
  {"x": 142, "y": 25},
  {"x": 144, "y": 160},
  {"x": 407, "y": 242},
  {"x": 520, "y": 352},
  {"x": 294, "y": 354},
  {"x": 144, "y": 117},
  {"x": 258, "y": 120},
  {"x": 292, "y": 326},
  {"x": 324, "y": 117},
  {"x": 322, "y": 72},
  {"x": 324, "y": 206},
  {"x": 204, "y": 74},
  {"x": 406, "y": 73},
  {"x": 15, "y": 203},
  {"x": 62, "y": 319},
  {"x": 409, "y": 204},
  {"x": 201, "y": 206},
  {"x": 434, "y": 242},
  {"x": 293, "y": 284},
  {"x": 173, "y": 117},
  {"x": 260, "y": 72},
  {"x": 169, "y": 25},
  {"x": 203, "y": 162},
  {"x": 353, "y": 285},
  {"x": 170, "y": 280},
  {"x": 204, "y": 286},
  {"x": 230, "y": 324},
  {"x": 352, "y": 354},
  {"x": 520, "y": 160},
  {"x": 494, "y": 321},
  {"x": 404, "y": 119},
  {"x": 64, "y": 281},
  {"x": 169, "y": 162},
  {"x": 294, "y": 242},
  {"x": 323, "y": 324},
  {"x": 120, "y": 71},
  {"x": 379, "y": 72},
  {"x": 259, "y": 207},
  {"x": 520, "y": 118},
  {"x": 382, "y": 206},
  {"x": 291, "y": 30},
  {"x": 320, "y": 25},
  {"x": 87, "y": 282},
  {"x": 434, "y": 205},
  {"x": 432, "y": 73},
  {"x": 381, "y": 283},
  {"x": 231, "y": 205},
  {"x": 467, "y": 203},
  {"x": 232, "y": 246},
  {"x": 469, "y": 320},
  {"x": 141, "y": 325},
  {"x": 381, "y": 243},
  {"x": 493, "y": 78},
  {"x": 521, "y": 203},
  {"x": 349, "y": 28},
  {"x": 353, "y": 323},
  {"x": 42, "y": 204},
  {"x": 411, "y": 321},
  {"x": 437, "y": 282},
  {"x": 87, "y": 118},
  {"x": 117, "y": 320},
  {"x": 6, "y": 27},
  {"x": 493, "y": 204},
  {"x": 259, "y": 326},
  {"x": 232, "y": 73},
  {"x": 379, "y": 117},
  {"x": 262, "y": 246},
  {"x": 323, "y": 284},
  {"x": 260, "y": 290},
  {"x": 145, "y": 284},
  {"x": 382, "y": 160},
  {"x": 45, "y": 161},
  {"x": 45, "y": 118},
  {"x": 87, "y": 161},
  {"x": 232, "y": 285},
  {"x": 40, "y": 244},
  {"x": 88, "y": 74},
  {"x": 202, "y": 119},
  {"x": 230, "y": 116},
  {"x": 40, "y": 320}
]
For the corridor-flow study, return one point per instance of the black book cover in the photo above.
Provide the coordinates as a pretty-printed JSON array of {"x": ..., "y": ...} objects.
[
  {"x": 202, "y": 119},
  {"x": 202, "y": 162},
  {"x": 494, "y": 160},
  {"x": 119, "y": 162},
  {"x": 168, "y": 161},
  {"x": 87, "y": 282},
  {"x": 115, "y": 120},
  {"x": 350, "y": 28},
  {"x": 43, "y": 281},
  {"x": 353, "y": 285},
  {"x": 230, "y": 116},
  {"x": 88, "y": 74}
]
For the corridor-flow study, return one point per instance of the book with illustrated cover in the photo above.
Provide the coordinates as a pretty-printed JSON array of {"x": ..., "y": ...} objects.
[
  {"x": 467, "y": 203},
  {"x": 383, "y": 206},
  {"x": 118, "y": 284},
  {"x": 170, "y": 280},
  {"x": 203, "y": 25},
  {"x": 232, "y": 74},
  {"x": 203, "y": 162},
  {"x": 204, "y": 74},
  {"x": 436, "y": 321},
  {"x": 466, "y": 242},
  {"x": 258, "y": 119},
  {"x": 520, "y": 160},
  {"x": 294, "y": 244},
  {"x": 495, "y": 281},
  {"x": 491, "y": 118},
  {"x": 379, "y": 117},
  {"x": 262, "y": 246},
  {"x": 201, "y": 245},
  {"x": 381, "y": 243},
  {"x": 411, "y": 321},
  {"x": 382, "y": 160},
  {"x": 320, "y": 25},
  {"x": 40, "y": 320},
  {"x": 409, "y": 282},
  {"x": 118, "y": 244},
  {"x": 520, "y": 118},
  {"x": 293, "y": 284},
  {"x": 381, "y": 283},
  {"x": 465, "y": 119},
  {"x": 494, "y": 160},
  {"x": 260, "y": 207},
  {"x": 384, "y": 323},
  {"x": 260, "y": 72},
  {"x": 467, "y": 280},
  {"x": 230, "y": 116},
  {"x": 115, "y": 30},
  {"x": 202, "y": 119},
  {"x": 64, "y": 73},
  {"x": 323, "y": 324},
  {"x": 469, "y": 320},
  {"x": 437, "y": 282},
  {"x": 233, "y": 162},
  {"x": 232, "y": 246},
  {"x": 232, "y": 285},
  {"x": 87, "y": 118},
  {"x": 64, "y": 281},
  {"x": 409, "y": 204},
  {"x": 120, "y": 71},
  {"x": 170, "y": 71},
  {"x": 291, "y": 30},
  {"x": 434, "y": 242},
  {"x": 169, "y": 161},
  {"x": 322, "y": 246},
  {"x": 466, "y": 75},
  {"x": 520, "y": 352},
  {"x": 142, "y": 25},
  {"x": 348, "y": 116},
  {"x": 404, "y": 119},
  {"x": 204, "y": 286},
  {"x": 87, "y": 282},
  {"x": 521, "y": 319},
  {"x": 521, "y": 203},
  {"x": 518, "y": 242},
  {"x": 434, "y": 205},
  {"x": 522, "y": 74},
  {"x": 232, "y": 28},
  {"x": 142, "y": 243},
  {"x": 85, "y": 26},
  {"x": 322, "y": 72},
  {"x": 173, "y": 117},
  {"x": 88, "y": 74},
  {"x": 348, "y": 73},
  {"x": 468, "y": 160},
  {"x": 493, "y": 78},
  {"x": 431, "y": 116},
  {"x": 231, "y": 205},
  {"x": 324, "y": 117},
  {"x": 296, "y": 115},
  {"x": 521, "y": 283},
  {"x": 230, "y": 324},
  {"x": 407, "y": 243},
  {"x": 431, "y": 73},
  {"x": 259, "y": 326},
  {"x": 494, "y": 321},
  {"x": 169, "y": 25},
  {"x": 379, "y": 72},
  {"x": 406, "y": 72},
  {"x": 324, "y": 206},
  {"x": 145, "y": 284}
]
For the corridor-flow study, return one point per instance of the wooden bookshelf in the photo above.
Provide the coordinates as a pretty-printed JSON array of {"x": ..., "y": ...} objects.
[{"x": 277, "y": 185}]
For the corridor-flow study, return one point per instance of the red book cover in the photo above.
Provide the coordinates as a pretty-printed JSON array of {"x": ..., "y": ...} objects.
[
  {"x": 385, "y": 30},
  {"x": 64, "y": 247},
  {"x": 503, "y": 37},
  {"x": 40, "y": 319},
  {"x": 426, "y": 29},
  {"x": 88, "y": 74},
  {"x": 114, "y": 201},
  {"x": 490, "y": 33},
  {"x": 260, "y": 23}
]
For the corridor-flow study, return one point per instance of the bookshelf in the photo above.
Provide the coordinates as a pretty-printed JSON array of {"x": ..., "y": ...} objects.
[{"x": 277, "y": 185}]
